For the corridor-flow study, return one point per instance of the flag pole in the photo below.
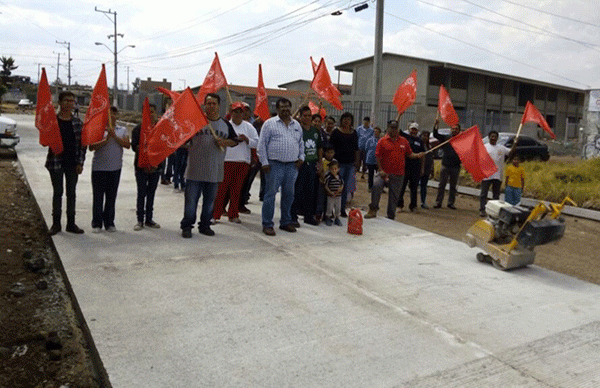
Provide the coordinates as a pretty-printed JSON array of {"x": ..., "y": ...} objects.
[
  {"x": 228, "y": 94},
  {"x": 302, "y": 103}
]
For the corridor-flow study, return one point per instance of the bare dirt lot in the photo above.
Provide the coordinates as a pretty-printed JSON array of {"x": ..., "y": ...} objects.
[{"x": 42, "y": 342}]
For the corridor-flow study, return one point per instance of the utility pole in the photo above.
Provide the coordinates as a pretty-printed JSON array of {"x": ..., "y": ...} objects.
[
  {"x": 114, "y": 20},
  {"x": 377, "y": 63},
  {"x": 57, "y": 71},
  {"x": 68, "y": 45},
  {"x": 128, "y": 79}
]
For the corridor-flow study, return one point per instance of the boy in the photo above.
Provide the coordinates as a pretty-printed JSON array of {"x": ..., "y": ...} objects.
[
  {"x": 333, "y": 187},
  {"x": 322, "y": 170},
  {"x": 515, "y": 182}
]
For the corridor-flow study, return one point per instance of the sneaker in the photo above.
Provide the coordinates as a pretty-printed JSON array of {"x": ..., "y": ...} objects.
[
  {"x": 74, "y": 229},
  {"x": 371, "y": 214},
  {"x": 235, "y": 220},
  {"x": 54, "y": 229},
  {"x": 450, "y": 206},
  {"x": 288, "y": 228},
  {"x": 328, "y": 222},
  {"x": 245, "y": 210},
  {"x": 268, "y": 231},
  {"x": 337, "y": 222},
  {"x": 111, "y": 229},
  {"x": 96, "y": 230},
  {"x": 139, "y": 226},
  {"x": 186, "y": 233},
  {"x": 207, "y": 231},
  {"x": 152, "y": 224},
  {"x": 437, "y": 206},
  {"x": 424, "y": 206}
]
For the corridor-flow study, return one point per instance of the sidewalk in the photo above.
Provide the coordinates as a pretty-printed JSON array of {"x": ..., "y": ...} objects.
[{"x": 395, "y": 307}]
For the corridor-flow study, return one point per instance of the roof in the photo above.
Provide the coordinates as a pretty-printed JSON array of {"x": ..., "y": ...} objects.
[
  {"x": 349, "y": 67},
  {"x": 251, "y": 90}
]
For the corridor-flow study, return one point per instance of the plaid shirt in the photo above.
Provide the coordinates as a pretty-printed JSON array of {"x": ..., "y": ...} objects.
[{"x": 54, "y": 162}]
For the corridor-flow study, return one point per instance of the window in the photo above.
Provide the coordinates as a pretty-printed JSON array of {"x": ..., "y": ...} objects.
[
  {"x": 525, "y": 94},
  {"x": 540, "y": 93},
  {"x": 437, "y": 76},
  {"x": 459, "y": 80},
  {"x": 552, "y": 95},
  {"x": 494, "y": 85}
]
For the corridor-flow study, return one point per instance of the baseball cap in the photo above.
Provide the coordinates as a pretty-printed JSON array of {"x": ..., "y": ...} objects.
[
  {"x": 413, "y": 125},
  {"x": 237, "y": 105}
]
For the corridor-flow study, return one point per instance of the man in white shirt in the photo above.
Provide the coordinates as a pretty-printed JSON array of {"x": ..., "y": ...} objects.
[{"x": 499, "y": 154}]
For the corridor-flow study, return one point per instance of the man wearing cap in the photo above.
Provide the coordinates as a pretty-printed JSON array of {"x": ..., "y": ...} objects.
[
  {"x": 237, "y": 164},
  {"x": 391, "y": 152},
  {"x": 413, "y": 166}
]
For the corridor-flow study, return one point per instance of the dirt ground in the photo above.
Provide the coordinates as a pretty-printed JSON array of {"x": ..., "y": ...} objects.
[{"x": 41, "y": 341}]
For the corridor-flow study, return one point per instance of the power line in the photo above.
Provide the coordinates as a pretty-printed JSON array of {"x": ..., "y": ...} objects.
[
  {"x": 490, "y": 51},
  {"x": 551, "y": 14}
]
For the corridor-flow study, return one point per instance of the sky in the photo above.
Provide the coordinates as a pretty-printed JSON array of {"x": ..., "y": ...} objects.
[{"x": 555, "y": 41}]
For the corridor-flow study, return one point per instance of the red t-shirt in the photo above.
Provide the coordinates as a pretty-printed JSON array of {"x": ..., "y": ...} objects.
[{"x": 392, "y": 153}]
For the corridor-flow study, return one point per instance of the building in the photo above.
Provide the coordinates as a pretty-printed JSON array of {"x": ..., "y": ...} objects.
[{"x": 490, "y": 100}]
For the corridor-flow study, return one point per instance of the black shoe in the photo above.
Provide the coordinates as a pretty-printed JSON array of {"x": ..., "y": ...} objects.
[
  {"x": 450, "y": 206},
  {"x": 74, "y": 229},
  {"x": 54, "y": 229},
  {"x": 186, "y": 233},
  {"x": 344, "y": 214},
  {"x": 245, "y": 210},
  {"x": 268, "y": 231},
  {"x": 207, "y": 231},
  {"x": 437, "y": 206},
  {"x": 311, "y": 221},
  {"x": 288, "y": 228},
  {"x": 295, "y": 224},
  {"x": 424, "y": 206}
]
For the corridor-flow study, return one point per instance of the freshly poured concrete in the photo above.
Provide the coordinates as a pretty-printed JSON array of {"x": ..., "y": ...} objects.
[{"x": 395, "y": 307}]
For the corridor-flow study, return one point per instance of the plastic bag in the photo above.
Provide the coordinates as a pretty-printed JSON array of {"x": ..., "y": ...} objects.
[{"x": 355, "y": 222}]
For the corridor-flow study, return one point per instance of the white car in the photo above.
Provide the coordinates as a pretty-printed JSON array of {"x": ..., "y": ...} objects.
[{"x": 8, "y": 133}]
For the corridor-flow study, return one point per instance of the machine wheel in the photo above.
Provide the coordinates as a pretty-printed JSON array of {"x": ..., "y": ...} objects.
[
  {"x": 497, "y": 265},
  {"x": 483, "y": 258}
]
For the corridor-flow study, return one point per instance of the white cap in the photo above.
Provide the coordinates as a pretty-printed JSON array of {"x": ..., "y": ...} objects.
[{"x": 413, "y": 125}]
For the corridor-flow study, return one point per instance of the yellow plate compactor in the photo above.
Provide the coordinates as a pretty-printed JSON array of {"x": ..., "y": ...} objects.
[{"x": 509, "y": 233}]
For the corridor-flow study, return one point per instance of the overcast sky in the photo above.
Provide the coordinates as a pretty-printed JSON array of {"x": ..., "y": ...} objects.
[{"x": 556, "y": 41}]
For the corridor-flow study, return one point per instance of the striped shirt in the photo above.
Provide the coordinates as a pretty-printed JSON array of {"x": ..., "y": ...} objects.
[
  {"x": 333, "y": 183},
  {"x": 280, "y": 142}
]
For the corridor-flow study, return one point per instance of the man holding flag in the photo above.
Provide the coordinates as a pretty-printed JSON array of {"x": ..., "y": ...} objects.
[
  {"x": 206, "y": 155},
  {"x": 450, "y": 167},
  {"x": 68, "y": 164}
]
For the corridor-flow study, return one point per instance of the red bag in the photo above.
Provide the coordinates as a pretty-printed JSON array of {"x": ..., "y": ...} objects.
[{"x": 355, "y": 222}]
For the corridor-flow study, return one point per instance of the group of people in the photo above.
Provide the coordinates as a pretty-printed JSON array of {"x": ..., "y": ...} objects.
[{"x": 311, "y": 162}]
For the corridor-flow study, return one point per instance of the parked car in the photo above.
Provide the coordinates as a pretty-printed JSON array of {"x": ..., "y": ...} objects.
[
  {"x": 8, "y": 133},
  {"x": 527, "y": 147},
  {"x": 437, "y": 154},
  {"x": 25, "y": 103}
]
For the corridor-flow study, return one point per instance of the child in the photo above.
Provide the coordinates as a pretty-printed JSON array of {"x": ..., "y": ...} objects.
[
  {"x": 333, "y": 187},
  {"x": 515, "y": 182},
  {"x": 322, "y": 170},
  {"x": 370, "y": 160}
]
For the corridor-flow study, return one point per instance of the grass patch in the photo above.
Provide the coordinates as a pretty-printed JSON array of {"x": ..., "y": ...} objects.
[{"x": 554, "y": 180}]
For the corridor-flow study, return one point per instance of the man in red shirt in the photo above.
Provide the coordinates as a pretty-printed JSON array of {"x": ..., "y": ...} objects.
[{"x": 391, "y": 152}]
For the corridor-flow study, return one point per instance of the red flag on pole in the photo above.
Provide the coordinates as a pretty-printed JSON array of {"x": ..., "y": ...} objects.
[
  {"x": 261, "y": 108},
  {"x": 214, "y": 80},
  {"x": 472, "y": 153},
  {"x": 406, "y": 94},
  {"x": 314, "y": 66},
  {"x": 96, "y": 118},
  {"x": 181, "y": 121},
  {"x": 446, "y": 109},
  {"x": 314, "y": 109},
  {"x": 145, "y": 131},
  {"x": 169, "y": 93},
  {"x": 533, "y": 114},
  {"x": 323, "y": 86},
  {"x": 45, "y": 117}
]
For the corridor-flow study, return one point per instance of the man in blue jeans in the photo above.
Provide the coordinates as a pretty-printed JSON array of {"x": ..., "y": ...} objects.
[
  {"x": 204, "y": 171},
  {"x": 281, "y": 153}
]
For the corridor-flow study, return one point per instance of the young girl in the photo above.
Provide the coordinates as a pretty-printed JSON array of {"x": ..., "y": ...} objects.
[{"x": 515, "y": 182}]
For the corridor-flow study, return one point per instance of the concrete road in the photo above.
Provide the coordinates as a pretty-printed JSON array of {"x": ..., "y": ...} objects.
[{"x": 395, "y": 307}]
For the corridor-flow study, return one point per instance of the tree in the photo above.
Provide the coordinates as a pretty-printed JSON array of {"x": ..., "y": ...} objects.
[{"x": 8, "y": 65}]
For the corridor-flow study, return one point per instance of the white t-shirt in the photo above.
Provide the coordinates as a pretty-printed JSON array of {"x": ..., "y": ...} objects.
[
  {"x": 110, "y": 157},
  {"x": 498, "y": 154},
  {"x": 241, "y": 152}
]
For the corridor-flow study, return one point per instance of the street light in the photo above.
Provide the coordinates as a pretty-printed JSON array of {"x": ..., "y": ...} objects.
[{"x": 115, "y": 53}]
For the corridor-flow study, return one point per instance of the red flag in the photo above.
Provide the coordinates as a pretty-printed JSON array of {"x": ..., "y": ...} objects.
[
  {"x": 145, "y": 130},
  {"x": 406, "y": 94},
  {"x": 96, "y": 118},
  {"x": 181, "y": 121},
  {"x": 533, "y": 114},
  {"x": 214, "y": 80},
  {"x": 472, "y": 153},
  {"x": 323, "y": 86},
  {"x": 45, "y": 117},
  {"x": 169, "y": 93},
  {"x": 314, "y": 109},
  {"x": 262, "y": 101},
  {"x": 314, "y": 66},
  {"x": 446, "y": 109}
]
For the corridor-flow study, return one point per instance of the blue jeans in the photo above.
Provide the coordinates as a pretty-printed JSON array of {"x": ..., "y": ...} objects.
[
  {"x": 512, "y": 195},
  {"x": 346, "y": 171},
  {"x": 282, "y": 175},
  {"x": 146, "y": 189},
  {"x": 193, "y": 190}
]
